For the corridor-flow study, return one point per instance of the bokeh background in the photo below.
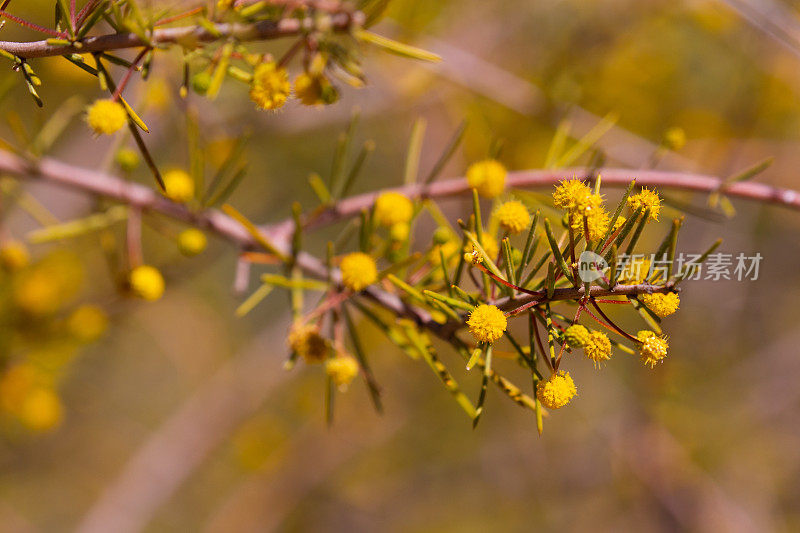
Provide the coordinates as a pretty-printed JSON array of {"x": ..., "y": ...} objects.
[{"x": 181, "y": 417}]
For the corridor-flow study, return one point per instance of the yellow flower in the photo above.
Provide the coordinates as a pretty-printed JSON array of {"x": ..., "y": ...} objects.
[
  {"x": 306, "y": 341},
  {"x": 342, "y": 369},
  {"x": 598, "y": 347},
  {"x": 576, "y": 336},
  {"x": 597, "y": 220},
  {"x": 575, "y": 196},
  {"x": 557, "y": 391},
  {"x": 147, "y": 283},
  {"x": 393, "y": 208},
  {"x": 41, "y": 410},
  {"x": 674, "y": 138},
  {"x": 270, "y": 86},
  {"x": 653, "y": 349},
  {"x": 178, "y": 185},
  {"x": 127, "y": 159},
  {"x": 358, "y": 271},
  {"x": 513, "y": 216},
  {"x": 106, "y": 117},
  {"x": 87, "y": 323},
  {"x": 399, "y": 232},
  {"x": 191, "y": 242},
  {"x": 646, "y": 199},
  {"x": 662, "y": 305},
  {"x": 488, "y": 177},
  {"x": 14, "y": 256},
  {"x": 487, "y": 323},
  {"x": 314, "y": 90}
]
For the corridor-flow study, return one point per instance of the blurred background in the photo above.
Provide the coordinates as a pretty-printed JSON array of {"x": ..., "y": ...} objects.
[{"x": 181, "y": 417}]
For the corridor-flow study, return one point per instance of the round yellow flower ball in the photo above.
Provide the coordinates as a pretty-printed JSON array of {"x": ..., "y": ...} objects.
[
  {"x": 270, "y": 86},
  {"x": 106, "y": 117},
  {"x": 513, "y": 217},
  {"x": 662, "y": 305},
  {"x": 488, "y": 177},
  {"x": 358, "y": 271},
  {"x": 487, "y": 323},
  {"x": 306, "y": 341},
  {"x": 342, "y": 369},
  {"x": 178, "y": 186},
  {"x": 557, "y": 391},
  {"x": 393, "y": 208},
  {"x": 598, "y": 347},
  {"x": 653, "y": 349},
  {"x": 14, "y": 256},
  {"x": 192, "y": 242},
  {"x": 147, "y": 283}
]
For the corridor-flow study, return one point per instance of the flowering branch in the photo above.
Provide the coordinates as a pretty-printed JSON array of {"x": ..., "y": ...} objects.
[{"x": 257, "y": 31}]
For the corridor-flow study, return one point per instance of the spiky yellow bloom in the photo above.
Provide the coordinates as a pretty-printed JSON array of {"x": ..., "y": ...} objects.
[
  {"x": 106, "y": 117},
  {"x": 306, "y": 341},
  {"x": 576, "y": 336},
  {"x": 87, "y": 323},
  {"x": 618, "y": 224},
  {"x": 147, "y": 283},
  {"x": 575, "y": 196},
  {"x": 358, "y": 271},
  {"x": 270, "y": 86},
  {"x": 192, "y": 241},
  {"x": 489, "y": 245},
  {"x": 653, "y": 349},
  {"x": 314, "y": 90},
  {"x": 393, "y": 208},
  {"x": 662, "y": 305},
  {"x": 597, "y": 220},
  {"x": 646, "y": 199},
  {"x": 557, "y": 391},
  {"x": 487, "y": 323},
  {"x": 513, "y": 216},
  {"x": 399, "y": 232},
  {"x": 488, "y": 177},
  {"x": 598, "y": 347},
  {"x": 178, "y": 186},
  {"x": 342, "y": 369},
  {"x": 14, "y": 256}
]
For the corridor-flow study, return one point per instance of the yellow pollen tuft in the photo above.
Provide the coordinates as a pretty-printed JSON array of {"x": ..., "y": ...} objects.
[
  {"x": 270, "y": 86},
  {"x": 106, "y": 117},
  {"x": 646, "y": 199},
  {"x": 342, "y": 369},
  {"x": 358, "y": 271},
  {"x": 598, "y": 347},
  {"x": 513, "y": 217},
  {"x": 576, "y": 336},
  {"x": 487, "y": 323},
  {"x": 597, "y": 220},
  {"x": 557, "y": 391},
  {"x": 191, "y": 242},
  {"x": 147, "y": 283},
  {"x": 488, "y": 177},
  {"x": 575, "y": 196},
  {"x": 306, "y": 341},
  {"x": 178, "y": 185},
  {"x": 653, "y": 349},
  {"x": 393, "y": 208},
  {"x": 662, "y": 305}
]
